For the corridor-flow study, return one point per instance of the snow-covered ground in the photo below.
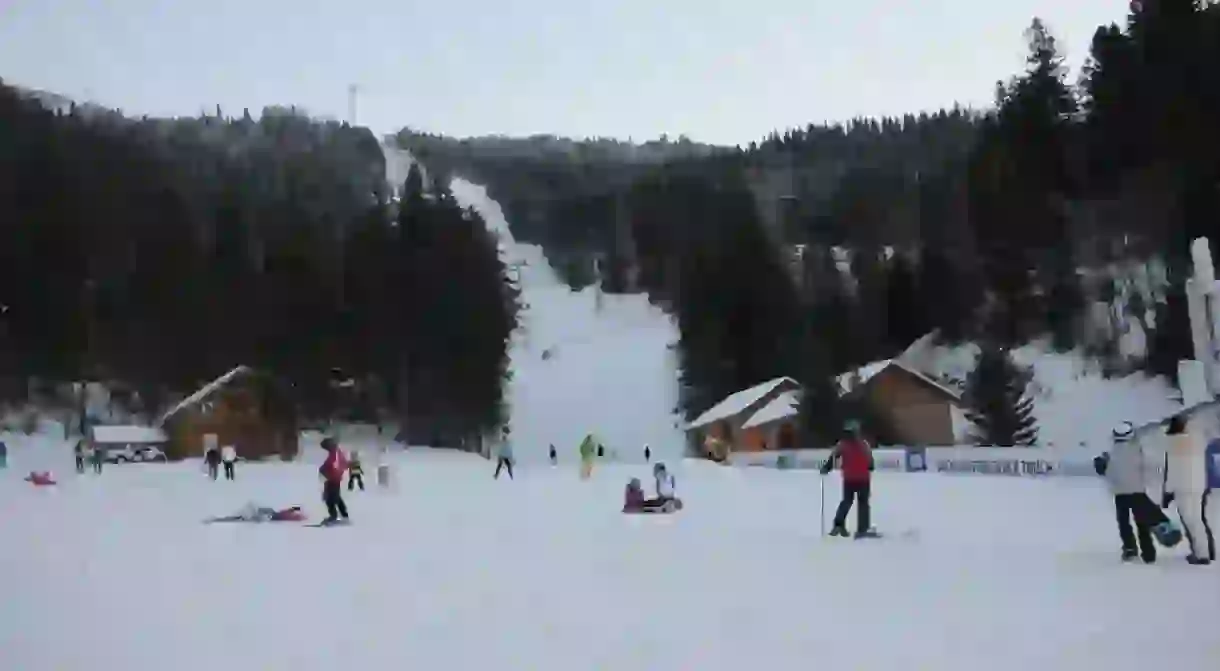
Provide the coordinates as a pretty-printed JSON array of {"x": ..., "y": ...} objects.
[
  {"x": 580, "y": 367},
  {"x": 452, "y": 569}
]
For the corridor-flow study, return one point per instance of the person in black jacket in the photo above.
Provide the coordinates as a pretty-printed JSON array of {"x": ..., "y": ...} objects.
[{"x": 212, "y": 458}]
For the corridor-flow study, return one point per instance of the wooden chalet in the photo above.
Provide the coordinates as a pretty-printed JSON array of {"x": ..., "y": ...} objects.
[{"x": 240, "y": 408}]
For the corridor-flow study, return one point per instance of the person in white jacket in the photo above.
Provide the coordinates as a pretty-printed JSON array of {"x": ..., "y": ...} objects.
[
  {"x": 1185, "y": 482},
  {"x": 228, "y": 456}
]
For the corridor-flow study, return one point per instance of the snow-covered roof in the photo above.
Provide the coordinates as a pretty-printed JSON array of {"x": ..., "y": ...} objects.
[
  {"x": 848, "y": 382},
  {"x": 126, "y": 434},
  {"x": 783, "y": 406},
  {"x": 739, "y": 401},
  {"x": 207, "y": 390}
]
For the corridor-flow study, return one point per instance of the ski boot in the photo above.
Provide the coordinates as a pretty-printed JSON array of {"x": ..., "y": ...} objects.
[
  {"x": 1129, "y": 554},
  {"x": 840, "y": 531},
  {"x": 870, "y": 532},
  {"x": 1198, "y": 561}
]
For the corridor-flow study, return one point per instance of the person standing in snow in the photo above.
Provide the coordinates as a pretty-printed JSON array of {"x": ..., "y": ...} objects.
[
  {"x": 857, "y": 467},
  {"x": 332, "y": 470},
  {"x": 99, "y": 458},
  {"x": 1185, "y": 482},
  {"x": 554, "y": 456},
  {"x": 1123, "y": 469},
  {"x": 3, "y": 455},
  {"x": 647, "y": 453},
  {"x": 504, "y": 458},
  {"x": 228, "y": 456},
  {"x": 587, "y": 448},
  {"x": 79, "y": 453},
  {"x": 212, "y": 459},
  {"x": 355, "y": 472}
]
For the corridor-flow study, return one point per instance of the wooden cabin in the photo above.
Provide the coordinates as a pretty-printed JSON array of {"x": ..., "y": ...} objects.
[
  {"x": 729, "y": 426},
  {"x": 240, "y": 408},
  {"x": 903, "y": 405}
]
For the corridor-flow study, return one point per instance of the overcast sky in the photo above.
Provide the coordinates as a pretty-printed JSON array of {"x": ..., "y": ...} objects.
[{"x": 726, "y": 72}]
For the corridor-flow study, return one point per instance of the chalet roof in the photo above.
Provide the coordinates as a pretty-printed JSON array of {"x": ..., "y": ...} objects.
[
  {"x": 737, "y": 402},
  {"x": 127, "y": 434},
  {"x": 783, "y": 406},
  {"x": 203, "y": 393},
  {"x": 850, "y": 382}
]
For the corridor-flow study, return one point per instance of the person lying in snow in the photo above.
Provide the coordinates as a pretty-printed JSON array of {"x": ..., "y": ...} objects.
[{"x": 255, "y": 513}]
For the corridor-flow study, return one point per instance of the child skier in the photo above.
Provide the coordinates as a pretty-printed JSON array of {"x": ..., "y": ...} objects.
[
  {"x": 505, "y": 455},
  {"x": 1185, "y": 481},
  {"x": 1123, "y": 469},
  {"x": 332, "y": 470},
  {"x": 99, "y": 458},
  {"x": 587, "y": 447},
  {"x": 228, "y": 456},
  {"x": 355, "y": 472},
  {"x": 857, "y": 467},
  {"x": 79, "y": 453}
]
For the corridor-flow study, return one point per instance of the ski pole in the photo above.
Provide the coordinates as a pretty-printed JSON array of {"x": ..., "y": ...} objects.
[{"x": 822, "y": 498}]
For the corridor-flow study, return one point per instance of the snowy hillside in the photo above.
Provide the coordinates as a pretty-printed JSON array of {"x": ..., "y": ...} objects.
[
  {"x": 1073, "y": 402},
  {"x": 456, "y": 570}
]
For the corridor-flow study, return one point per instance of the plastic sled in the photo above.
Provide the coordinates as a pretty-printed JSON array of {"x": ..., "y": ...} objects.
[
  {"x": 40, "y": 478},
  {"x": 668, "y": 507},
  {"x": 1167, "y": 534}
]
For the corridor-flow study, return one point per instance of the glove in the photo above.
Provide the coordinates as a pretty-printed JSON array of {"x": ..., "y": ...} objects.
[
  {"x": 1100, "y": 464},
  {"x": 825, "y": 469},
  {"x": 1166, "y": 499}
]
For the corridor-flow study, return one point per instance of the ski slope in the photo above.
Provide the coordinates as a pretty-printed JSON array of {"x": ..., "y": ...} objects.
[
  {"x": 454, "y": 570},
  {"x": 580, "y": 368}
]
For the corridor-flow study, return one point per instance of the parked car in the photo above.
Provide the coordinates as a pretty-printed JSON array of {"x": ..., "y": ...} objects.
[{"x": 129, "y": 454}]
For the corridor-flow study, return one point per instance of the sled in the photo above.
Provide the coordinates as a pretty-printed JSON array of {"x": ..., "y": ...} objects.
[
  {"x": 669, "y": 507},
  {"x": 1167, "y": 533}
]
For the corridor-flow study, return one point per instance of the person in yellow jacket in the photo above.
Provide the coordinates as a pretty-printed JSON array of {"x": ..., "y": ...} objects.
[{"x": 588, "y": 447}]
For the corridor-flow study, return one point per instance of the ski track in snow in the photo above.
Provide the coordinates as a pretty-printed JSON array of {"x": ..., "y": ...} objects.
[
  {"x": 452, "y": 569},
  {"x": 609, "y": 371}
]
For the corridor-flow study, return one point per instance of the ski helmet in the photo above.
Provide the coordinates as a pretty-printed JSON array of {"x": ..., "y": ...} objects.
[{"x": 1123, "y": 432}]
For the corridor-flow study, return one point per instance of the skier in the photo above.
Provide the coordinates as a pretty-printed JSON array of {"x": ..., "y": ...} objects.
[
  {"x": 857, "y": 467},
  {"x": 212, "y": 459},
  {"x": 228, "y": 456},
  {"x": 586, "y": 457},
  {"x": 554, "y": 456},
  {"x": 3, "y": 455},
  {"x": 79, "y": 453},
  {"x": 1185, "y": 482},
  {"x": 332, "y": 470},
  {"x": 647, "y": 453},
  {"x": 355, "y": 472},
  {"x": 1123, "y": 468},
  {"x": 505, "y": 455}
]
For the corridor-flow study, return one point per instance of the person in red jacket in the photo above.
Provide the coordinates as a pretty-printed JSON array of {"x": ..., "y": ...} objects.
[
  {"x": 856, "y": 456},
  {"x": 332, "y": 470}
]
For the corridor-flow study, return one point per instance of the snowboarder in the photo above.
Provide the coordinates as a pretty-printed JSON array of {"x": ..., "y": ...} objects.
[
  {"x": 554, "y": 456},
  {"x": 99, "y": 458},
  {"x": 332, "y": 470},
  {"x": 857, "y": 467},
  {"x": 647, "y": 453},
  {"x": 1185, "y": 482},
  {"x": 1123, "y": 469},
  {"x": 228, "y": 456},
  {"x": 355, "y": 472},
  {"x": 212, "y": 459},
  {"x": 504, "y": 458},
  {"x": 79, "y": 453},
  {"x": 586, "y": 457}
]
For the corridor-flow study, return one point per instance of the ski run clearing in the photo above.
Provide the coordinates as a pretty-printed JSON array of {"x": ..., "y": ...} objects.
[{"x": 450, "y": 569}]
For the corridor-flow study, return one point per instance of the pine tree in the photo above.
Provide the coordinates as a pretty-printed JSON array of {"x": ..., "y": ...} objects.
[
  {"x": 1064, "y": 302},
  {"x": 906, "y": 316},
  {"x": 1171, "y": 340},
  {"x": 997, "y": 402}
]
